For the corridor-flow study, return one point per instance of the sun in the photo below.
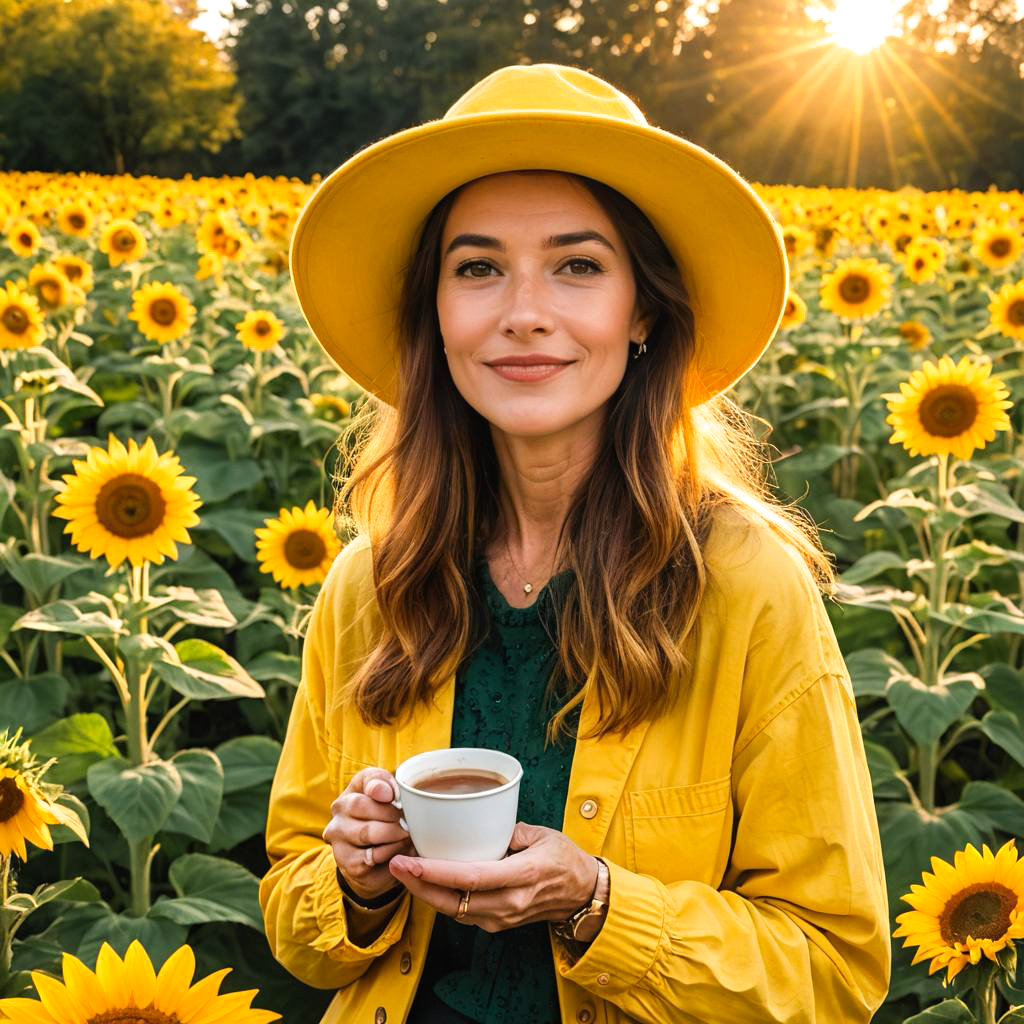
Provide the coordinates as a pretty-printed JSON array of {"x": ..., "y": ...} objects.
[{"x": 861, "y": 25}]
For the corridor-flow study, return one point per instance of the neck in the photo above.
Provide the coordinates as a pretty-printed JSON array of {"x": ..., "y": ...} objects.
[{"x": 539, "y": 477}]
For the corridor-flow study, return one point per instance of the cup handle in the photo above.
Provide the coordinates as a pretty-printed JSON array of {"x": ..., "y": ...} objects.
[{"x": 401, "y": 821}]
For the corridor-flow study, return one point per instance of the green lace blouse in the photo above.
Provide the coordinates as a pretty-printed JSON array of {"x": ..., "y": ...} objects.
[{"x": 507, "y": 976}]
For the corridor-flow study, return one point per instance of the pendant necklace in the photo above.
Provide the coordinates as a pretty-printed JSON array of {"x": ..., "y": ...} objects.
[{"x": 527, "y": 587}]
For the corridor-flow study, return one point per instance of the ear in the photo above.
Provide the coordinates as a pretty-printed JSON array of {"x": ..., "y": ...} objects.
[{"x": 641, "y": 326}]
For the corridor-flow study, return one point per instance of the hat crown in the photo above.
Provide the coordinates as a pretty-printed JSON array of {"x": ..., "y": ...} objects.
[{"x": 545, "y": 87}]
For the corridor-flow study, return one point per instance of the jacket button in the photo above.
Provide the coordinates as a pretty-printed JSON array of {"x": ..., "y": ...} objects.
[
  {"x": 380, "y": 1016},
  {"x": 588, "y": 808},
  {"x": 603, "y": 979},
  {"x": 585, "y": 1014},
  {"x": 405, "y": 964}
]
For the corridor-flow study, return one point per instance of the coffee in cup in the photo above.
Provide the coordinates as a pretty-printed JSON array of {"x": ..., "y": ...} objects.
[{"x": 460, "y": 803}]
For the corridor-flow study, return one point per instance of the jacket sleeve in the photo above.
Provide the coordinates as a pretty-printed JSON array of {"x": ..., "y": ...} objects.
[
  {"x": 798, "y": 932},
  {"x": 304, "y": 913}
]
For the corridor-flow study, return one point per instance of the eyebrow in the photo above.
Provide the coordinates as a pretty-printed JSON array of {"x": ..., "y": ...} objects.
[{"x": 553, "y": 242}]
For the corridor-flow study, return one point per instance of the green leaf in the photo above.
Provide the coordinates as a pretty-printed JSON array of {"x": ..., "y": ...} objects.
[
  {"x": 1014, "y": 1015},
  {"x": 77, "y": 741},
  {"x": 78, "y": 890},
  {"x": 37, "y": 574},
  {"x": 271, "y": 666},
  {"x": 979, "y": 620},
  {"x": 886, "y": 775},
  {"x": 926, "y": 712},
  {"x": 160, "y": 937},
  {"x": 34, "y": 702},
  {"x": 219, "y": 476},
  {"x": 197, "y": 607},
  {"x": 237, "y": 527},
  {"x": 92, "y": 615},
  {"x": 202, "y": 786},
  {"x": 1003, "y": 729},
  {"x": 138, "y": 798},
  {"x": 870, "y": 565},
  {"x": 871, "y": 669},
  {"x": 903, "y": 498},
  {"x": 206, "y": 672},
  {"x": 949, "y": 1011},
  {"x": 813, "y": 461},
  {"x": 879, "y": 598},
  {"x": 1004, "y": 688},
  {"x": 993, "y": 806},
  {"x": 248, "y": 761},
  {"x": 985, "y": 497},
  {"x": 211, "y": 889},
  {"x": 243, "y": 814}
]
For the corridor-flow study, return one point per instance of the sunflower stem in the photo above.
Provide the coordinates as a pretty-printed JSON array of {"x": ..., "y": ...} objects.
[
  {"x": 985, "y": 995},
  {"x": 5, "y": 933}
]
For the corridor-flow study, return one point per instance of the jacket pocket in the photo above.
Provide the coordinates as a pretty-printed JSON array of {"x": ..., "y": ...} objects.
[{"x": 680, "y": 832}]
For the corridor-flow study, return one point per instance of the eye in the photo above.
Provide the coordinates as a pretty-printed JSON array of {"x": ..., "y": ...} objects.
[
  {"x": 460, "y": 271},
  {"x": 585, "y": 262}
]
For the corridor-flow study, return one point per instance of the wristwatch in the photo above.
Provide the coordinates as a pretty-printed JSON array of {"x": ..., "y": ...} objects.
[{"x": 569, "y": 929}]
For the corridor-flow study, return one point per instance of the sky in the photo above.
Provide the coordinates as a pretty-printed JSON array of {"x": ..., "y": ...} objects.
[{"x": 211, "y": 20}]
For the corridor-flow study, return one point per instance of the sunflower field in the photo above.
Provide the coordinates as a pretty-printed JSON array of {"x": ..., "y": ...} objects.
[{"x": 168, "y": 462}]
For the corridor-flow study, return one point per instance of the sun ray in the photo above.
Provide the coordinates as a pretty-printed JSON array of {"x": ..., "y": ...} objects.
[
  {"x": 883, "y": 111},
  {"x": 892, "y": 79},
  {"x": 970, "y": 89},
  {"x": 853, "y": 151}
]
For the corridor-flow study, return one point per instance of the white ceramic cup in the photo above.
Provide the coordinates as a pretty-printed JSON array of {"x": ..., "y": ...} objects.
[{"x": 460, "y": 826}]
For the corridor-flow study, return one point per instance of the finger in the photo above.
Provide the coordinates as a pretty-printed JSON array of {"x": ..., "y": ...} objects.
[
  {"x": 377, "y": 783},
  {"x": 444, "y": 900},
  {"x": 383, "y": 852},
  {"x": 462, "y": 875},
  {"x": 365, "y": 808},
  {"x": 372, "y": 833}
]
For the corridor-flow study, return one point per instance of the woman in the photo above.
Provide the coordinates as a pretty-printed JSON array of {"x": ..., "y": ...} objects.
[{"x": 580, "y": 564}]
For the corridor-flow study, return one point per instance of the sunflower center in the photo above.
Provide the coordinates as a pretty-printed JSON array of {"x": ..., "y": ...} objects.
[
  {"x": 163, "y": 311},
  {"x": 999, "y": 247},
  {"x": 304, "y": 549},
  {"x": 918, "y": 263},
  {"x": 854, "y": 288},
  {"x": 980, "y": 911},
  {"x": 124, "y": 240},
  {"x": 130, "y": 505},
  {"x": 11, "y": 799},
  {"x": 25, "y": 238},
  {"x": 261, "y": 327},
  {"x": 902, "y": 241},
  {"x": 15, "y": 319},
  {"x": 72, "y": 271},
  {"x": 1015, "y": 314},
  {"x": 948, "y": 410},
  {"x": 134, "y": 1015},
  {"x": 77, "y": 221},
  {"x": 912, "y": 332}
]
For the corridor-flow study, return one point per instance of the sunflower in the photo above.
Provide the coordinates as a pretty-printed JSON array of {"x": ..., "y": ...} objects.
[
  {"x": 131, "y": 992},
  {"x": 168, "y": 214},
  {"x": 1007, "y": 310},
  {"x": 998, "y": 246},
  {"x": 299, "y": 546},
  {"x": 923, "y": 259},
  {"x": 213, "y": 229},
  {"x": 330, "y": 406},
  {"x": 948, "y": 409},
  {"x": 27, "y": 804},
  {"x": 260, "y": 330},
  {"x": 21, "y": 319},
  {"x": 959, "y": 222},
  {"x": 795, "y": 312},
  {"x": 76, "y": 270},
  {"x": 916, "y": 334},
  {"x": 23, "y": 237},
  {"x": 971, "y": 908},
  {"x": 857, "y": 288},
  {"x": 76, "y": 218},
  {"x": 128, "y": 503},
  {"x": 162, "y": 312},
  {"x": 276, "y": 263},
  {"x": 123, "y": 242},
  {"x": 50, "y": 287},
  {"x": 210, "y": 265}
]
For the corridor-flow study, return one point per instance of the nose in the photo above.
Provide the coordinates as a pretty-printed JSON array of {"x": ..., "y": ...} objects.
[{"x": 526, "y": 309}]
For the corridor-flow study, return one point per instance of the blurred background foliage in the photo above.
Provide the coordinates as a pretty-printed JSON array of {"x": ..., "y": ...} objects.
[{"x": 294, "y": 87}]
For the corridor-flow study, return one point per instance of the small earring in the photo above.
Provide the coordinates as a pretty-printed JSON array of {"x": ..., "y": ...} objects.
[
  {"x": 446, "y": 350},
  {"x": 642, "y": 348}
]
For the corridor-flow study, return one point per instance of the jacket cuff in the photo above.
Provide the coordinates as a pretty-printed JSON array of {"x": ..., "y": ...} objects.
[
  {"x": 624, "y": 950},
  {"x": 329, "y": 909}
]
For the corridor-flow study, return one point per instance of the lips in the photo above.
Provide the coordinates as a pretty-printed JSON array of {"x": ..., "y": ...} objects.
[{"x": 538, "y": 360}]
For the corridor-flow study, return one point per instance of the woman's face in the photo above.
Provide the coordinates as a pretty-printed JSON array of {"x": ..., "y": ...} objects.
[{"x": 509, "y": 286}]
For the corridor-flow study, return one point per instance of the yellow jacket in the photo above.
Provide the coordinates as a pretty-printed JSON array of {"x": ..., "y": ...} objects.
[{"x": 747, "y": 883}]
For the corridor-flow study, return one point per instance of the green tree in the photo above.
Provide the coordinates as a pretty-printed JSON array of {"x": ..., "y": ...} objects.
[{"x": 108, "y": 85}]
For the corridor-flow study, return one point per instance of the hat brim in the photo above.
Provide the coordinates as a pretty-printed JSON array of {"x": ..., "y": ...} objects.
[{"x": 354, "y": 237}]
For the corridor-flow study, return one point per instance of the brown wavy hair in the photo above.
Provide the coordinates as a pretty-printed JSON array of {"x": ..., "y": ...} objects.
[{"x": 421, "y": 479}]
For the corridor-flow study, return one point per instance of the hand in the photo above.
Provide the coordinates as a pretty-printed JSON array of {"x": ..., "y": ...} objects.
[
  {"x": 547, "y": 877},
  {"x": 365, "y": 825}
]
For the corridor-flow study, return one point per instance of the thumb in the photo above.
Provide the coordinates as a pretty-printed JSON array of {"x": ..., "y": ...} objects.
[{"x": 525, "y": 835}]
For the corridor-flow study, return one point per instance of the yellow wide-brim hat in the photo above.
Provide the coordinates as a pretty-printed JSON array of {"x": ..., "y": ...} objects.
[{"x": 356, "y": 234}]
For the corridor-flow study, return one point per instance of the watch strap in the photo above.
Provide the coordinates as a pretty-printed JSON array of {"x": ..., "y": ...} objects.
[{"x": 567, "y": 929}]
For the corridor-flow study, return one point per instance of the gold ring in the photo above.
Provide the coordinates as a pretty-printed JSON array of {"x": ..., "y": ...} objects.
[
  {"x": 463, "y": 906},
  {"x": 368, "y": 855}
]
